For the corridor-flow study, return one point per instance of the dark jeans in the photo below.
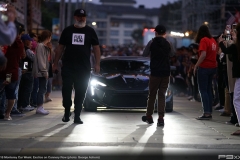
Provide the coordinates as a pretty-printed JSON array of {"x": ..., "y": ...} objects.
[
  {"x": 195, "y": 88},
  {"x": 78, "y": 79},
  {"x": 34, "y": 91},
  {"x": 222, "y": 84},
  {"x": 233, "y": 118},
  {"x": 205, "y": 77},
  {"x": 25, "y": 89},
  {"x": 157, "y": 86},
  {"x": 41, "y": 90}
]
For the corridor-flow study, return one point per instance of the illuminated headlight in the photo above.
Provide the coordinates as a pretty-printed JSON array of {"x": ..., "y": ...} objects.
[{"x": 95, "y": 83}]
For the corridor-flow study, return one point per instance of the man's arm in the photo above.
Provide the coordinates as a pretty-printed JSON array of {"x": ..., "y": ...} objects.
[
  {"x": 8, "y": 32},
  {"x": 58, "y": 54},
  {"x": 97, "y": 54}
]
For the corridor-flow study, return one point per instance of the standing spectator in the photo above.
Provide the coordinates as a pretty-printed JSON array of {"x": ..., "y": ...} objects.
[
  {"x": 50, "y": 75},
  {"x": 234, "y": 51},
  {"x": 40, "y": 68},
  {"x": 26, "y": 83},
  {"x": 35, "y": 80},
  {"x": 160, "y": 73},
  {"x": 8, "y": 33},
  {"x": 14, "y": 53},
  {"x": 194, "y": 58},
  {"x": 206, "y": 69},
  {"x": 76, "y": 41}
]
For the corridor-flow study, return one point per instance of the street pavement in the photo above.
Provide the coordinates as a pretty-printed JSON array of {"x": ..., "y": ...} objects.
[{"x": 119, "y": 134}]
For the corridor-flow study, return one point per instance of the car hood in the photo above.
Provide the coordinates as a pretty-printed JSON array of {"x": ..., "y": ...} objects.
[{"x": 120, "y": 81}]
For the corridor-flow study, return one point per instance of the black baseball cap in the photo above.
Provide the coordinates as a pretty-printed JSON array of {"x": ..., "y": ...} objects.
[
  {"x": 160, "y": 29},
  {"x": 80, "y": 12}
]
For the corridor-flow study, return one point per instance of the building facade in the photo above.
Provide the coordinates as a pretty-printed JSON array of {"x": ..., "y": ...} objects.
[
  {"x": 28, "y": 13},
  {"x": 214, "y": 13},
  {"x": 115, "y": 21}
]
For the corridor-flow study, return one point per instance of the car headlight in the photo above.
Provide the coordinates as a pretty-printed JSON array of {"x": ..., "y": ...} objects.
[{"x": 96, "y": 83}]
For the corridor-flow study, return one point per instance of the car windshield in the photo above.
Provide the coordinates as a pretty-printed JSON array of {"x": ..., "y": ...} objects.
[{"x": 125, "y": 66}]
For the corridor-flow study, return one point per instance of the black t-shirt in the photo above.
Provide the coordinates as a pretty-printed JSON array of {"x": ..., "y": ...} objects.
[{"x": 78, "y": 42}]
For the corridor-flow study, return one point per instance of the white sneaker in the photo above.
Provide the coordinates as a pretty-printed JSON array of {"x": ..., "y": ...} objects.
[
  {"x": 221, "y": 110},
  {"x": 40, "y": 110},
  {"x": 217, "y": 105},
  {"x": 28, "y": 108},
  {"x": 189, "y": 97}
]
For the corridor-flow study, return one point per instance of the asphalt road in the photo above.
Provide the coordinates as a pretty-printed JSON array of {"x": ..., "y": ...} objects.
[{"x": 119, "y": 134}]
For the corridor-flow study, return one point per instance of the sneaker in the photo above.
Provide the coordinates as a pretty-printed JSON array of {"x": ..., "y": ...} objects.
[
  {"x": 48, "y": 99},
  {"x": 66, "y": 118},
  {"x": 225, "y": 114},
  {"x": 237, "y": 125},
  {"x": 77, "y": 120},
  {"x": 160, "y": 122},
  {"x": 230, "y": 123},
  {"x": 190, "y": 97},
  {"x": 16, "y": 113},
  {"x": 8, "y": 118},
  {"x": 193, "y": 100},
  {"x": 147, "y": 119},
  {"x": 28, "y": 108},
  {"x": 40, "y": 110},
  {"x": 221, "y": 110},
  {"x": 218, "y": 107},
  {"x": 204, "y": 117}
]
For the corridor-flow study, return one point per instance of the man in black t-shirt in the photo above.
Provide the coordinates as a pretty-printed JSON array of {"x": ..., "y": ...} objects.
[{"x": 75, "y": 43}]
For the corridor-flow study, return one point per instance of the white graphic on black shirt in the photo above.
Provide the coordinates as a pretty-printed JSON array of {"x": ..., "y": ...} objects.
[{"x": 78, "y": 39}]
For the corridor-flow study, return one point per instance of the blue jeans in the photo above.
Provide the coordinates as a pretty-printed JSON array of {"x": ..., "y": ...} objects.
[
  {"x": 41, "y": 90},
  {"x": 16, "y": 91},
  {"x": 205, "y": 77},
  {"x": 49, "y": 85}
]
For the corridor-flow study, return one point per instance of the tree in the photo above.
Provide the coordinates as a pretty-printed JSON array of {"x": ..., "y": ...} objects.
[{"x": 49, "y": 10}]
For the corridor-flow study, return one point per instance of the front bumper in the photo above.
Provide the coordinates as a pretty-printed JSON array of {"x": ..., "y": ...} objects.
[{"x": 125, "y": 99}]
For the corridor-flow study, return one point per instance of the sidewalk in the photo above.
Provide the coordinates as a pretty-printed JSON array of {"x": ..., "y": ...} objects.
[{"x": 119, "y": 130}]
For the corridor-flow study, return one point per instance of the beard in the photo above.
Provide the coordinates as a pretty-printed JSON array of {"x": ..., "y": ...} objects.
[{"x": 80, "y": 24}]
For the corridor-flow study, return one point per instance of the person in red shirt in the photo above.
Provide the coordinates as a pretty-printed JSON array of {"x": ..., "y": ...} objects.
[
  {"x": 14, "y": 53},
  {"x": 206, "y": 68}
]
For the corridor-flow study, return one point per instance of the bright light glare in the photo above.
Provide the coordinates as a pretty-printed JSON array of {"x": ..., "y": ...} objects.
[
  {"x": 178, "y": 34},
  {"x": 187, "y": 34},
  {"x": 94, "y": 23},
  {"x": 94, "y": 83}
]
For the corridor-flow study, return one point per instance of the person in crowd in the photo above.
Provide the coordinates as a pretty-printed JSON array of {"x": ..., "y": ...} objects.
[
  {"x": 8, "y": 33},
  {"x": 222, "y": 77},
  {"x": 9, "y": 76},
  {"x": 40, "y": 68},
  {"x": 160, "y": 73},
  {"x": 233, "y": 50},
  {"x": 76, "y": 42},
  {"x": 34, "y": 41},
  {"x": 26, "y": 83},
  {"x": 33, "y": 98},
  {"x": 231, "y": 85},
  {"x": 15, "y": 112},
  {"x": 194, "y": 58},
  {"x": 50, "y": 74},
  {"x": 205, "y": 69}
]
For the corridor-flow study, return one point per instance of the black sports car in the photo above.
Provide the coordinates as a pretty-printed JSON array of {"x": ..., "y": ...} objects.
[{"x": 122, "y": 84}]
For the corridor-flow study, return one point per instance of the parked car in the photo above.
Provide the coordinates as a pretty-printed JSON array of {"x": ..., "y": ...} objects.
[{"x": 122, "y": 84}]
